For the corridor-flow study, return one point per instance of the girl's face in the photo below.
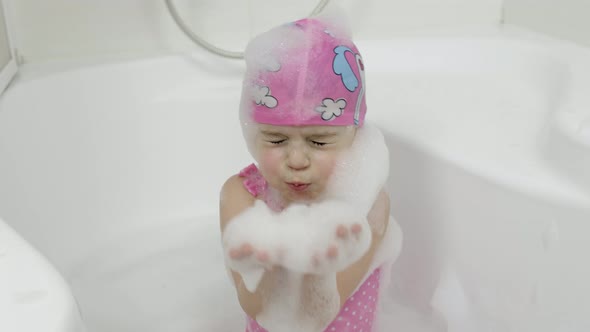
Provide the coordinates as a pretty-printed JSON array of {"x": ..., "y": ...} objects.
[{"x": 298, "y": 161}]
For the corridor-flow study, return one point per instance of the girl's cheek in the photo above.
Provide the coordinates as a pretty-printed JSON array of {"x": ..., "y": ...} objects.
[
  {"x": 326, "y": 162},
  {"x": 269, "y": 159}
]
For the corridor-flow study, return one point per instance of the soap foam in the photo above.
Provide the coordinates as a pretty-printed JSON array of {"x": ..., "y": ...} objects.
[{"x": 361, "y": 172}]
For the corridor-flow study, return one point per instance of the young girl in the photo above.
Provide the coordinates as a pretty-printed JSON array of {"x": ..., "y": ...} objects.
[{"x": 304, "y": 230}]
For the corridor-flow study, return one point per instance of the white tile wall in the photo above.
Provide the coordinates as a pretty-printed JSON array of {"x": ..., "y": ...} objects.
[
  {"x": 565, "y": 19},
  {"x": 61, "y": 29}
]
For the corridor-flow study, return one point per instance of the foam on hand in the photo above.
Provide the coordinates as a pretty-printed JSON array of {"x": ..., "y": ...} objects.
[{"x": 298, "y": 238}]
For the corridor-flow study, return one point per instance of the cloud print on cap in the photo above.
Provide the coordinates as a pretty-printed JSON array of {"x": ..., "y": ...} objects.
[
  {"x": 331, "y": 109},
  {"x": 262, "y": 96}
]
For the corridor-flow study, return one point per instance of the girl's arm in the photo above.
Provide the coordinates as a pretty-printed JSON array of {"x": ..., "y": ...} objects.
[
  {"x": 233, "y": 200},
  {"x": 350, "y": 278}
]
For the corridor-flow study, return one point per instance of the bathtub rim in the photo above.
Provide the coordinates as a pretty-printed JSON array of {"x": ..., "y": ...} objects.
[{"x": 41, "y": 299}]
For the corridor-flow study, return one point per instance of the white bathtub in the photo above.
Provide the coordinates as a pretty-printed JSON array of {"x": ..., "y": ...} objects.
[{"x": 112, "y": 172}]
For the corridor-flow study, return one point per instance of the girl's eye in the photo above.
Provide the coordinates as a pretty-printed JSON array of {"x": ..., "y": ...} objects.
[
  {"x": 277, "y": 142},
  {"x": 318, "y": 143}
]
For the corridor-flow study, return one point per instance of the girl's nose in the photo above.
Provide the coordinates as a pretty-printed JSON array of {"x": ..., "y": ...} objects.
[{"x": 297, "y": 159}]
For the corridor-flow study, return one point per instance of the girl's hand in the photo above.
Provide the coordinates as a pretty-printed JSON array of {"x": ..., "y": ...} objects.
[
  {"x": 248, "y": 255},
  {"x": 340, "y": 250}
]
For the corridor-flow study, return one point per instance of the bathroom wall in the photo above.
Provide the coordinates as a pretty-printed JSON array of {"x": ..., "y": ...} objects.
[
  {"x": 63, "y": 29},
  {"x": 565, "y": 19},
  {"x": 5, "y": 55},
  {"x": 8, "y": 66}
]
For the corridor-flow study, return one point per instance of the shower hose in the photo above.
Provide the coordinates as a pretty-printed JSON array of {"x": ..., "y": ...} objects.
[{"x": 210, "y": 47}]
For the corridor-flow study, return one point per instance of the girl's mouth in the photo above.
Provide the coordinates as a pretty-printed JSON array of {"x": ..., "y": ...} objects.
[{"x": 296, "y": 186}]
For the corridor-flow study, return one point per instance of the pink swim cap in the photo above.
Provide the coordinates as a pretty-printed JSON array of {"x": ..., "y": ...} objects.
[{"x": 304, "y": 73}]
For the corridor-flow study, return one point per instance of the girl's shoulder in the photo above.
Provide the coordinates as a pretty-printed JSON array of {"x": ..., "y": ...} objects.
[{"x": 233, "y": 199}]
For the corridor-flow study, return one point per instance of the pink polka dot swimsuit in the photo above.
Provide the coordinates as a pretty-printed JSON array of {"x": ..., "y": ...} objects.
[{"x": 358, "y": 313}]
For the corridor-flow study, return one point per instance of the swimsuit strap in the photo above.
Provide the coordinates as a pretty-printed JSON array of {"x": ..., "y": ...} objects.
[{"x": 253, "y": 181}]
